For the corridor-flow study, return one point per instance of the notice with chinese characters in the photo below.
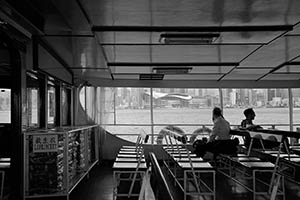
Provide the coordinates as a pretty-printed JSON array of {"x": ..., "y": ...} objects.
[{"x": 45, "y": 143}]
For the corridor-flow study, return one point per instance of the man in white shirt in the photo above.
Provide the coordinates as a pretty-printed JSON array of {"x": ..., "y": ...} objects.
[
  {"x": 219, "y": 140},
  {"x": 221, "y": 129}
]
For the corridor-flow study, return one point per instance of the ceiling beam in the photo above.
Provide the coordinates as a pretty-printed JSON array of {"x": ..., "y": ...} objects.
[
  {"x": 195, "y": 83},
  {"x": 69, "y": 35},
  {"x": 189, "y": 74},
  {"x": 181, "y": 44},
  {"x": 191, "y": 28},
  {"x": 165, "y": 64}
]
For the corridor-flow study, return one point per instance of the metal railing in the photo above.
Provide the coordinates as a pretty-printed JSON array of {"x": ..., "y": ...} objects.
[{"x": 132, "y": 137}]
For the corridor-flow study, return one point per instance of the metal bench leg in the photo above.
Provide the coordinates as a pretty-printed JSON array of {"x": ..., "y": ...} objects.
[
  {"x": 2, "y": 183},
  {"x": 254, "y": 184},
  {"x": 185, "y": 184}
]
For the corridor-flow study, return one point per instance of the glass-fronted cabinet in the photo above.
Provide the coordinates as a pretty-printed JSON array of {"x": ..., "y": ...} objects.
[{"x": 56, "y": 160}]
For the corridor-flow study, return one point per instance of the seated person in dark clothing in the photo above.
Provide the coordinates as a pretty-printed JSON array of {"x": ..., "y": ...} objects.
[
  {"x": 248, "y": 122},
  {"x": 219, "y": 140}
]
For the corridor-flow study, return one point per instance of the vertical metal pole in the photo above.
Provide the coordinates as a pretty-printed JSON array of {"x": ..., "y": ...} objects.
[
  {"x": 85, "y": 131},
  {"x": 150, "y": 60},
  {"x": 115, "y": 118},
  {"x": 291, "y": 114},
  {"x": 221, "y": 99},
  {"x": 25, "y": 164},
  {"x": 291, "y": 108},
  {"x": 152, "y": 119}
]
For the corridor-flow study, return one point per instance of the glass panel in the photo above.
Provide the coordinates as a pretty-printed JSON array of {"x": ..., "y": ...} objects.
[
  {"x": 108, "y": 104},
  {"x": 51, "y": 104},
  {"x": 132, "y": 106},
  {"x": 33, "y": 95},
  {"x": 33, "y": 102},
  {"x": 82, "y": 94},
  {"x": 270, "y": 106},
  {"x": 296, "y": 109},
  {"x": 129, "y": 133},
  {"x": 5, "y": 105},
  {"x": 66, "y": 105},
  {"x": 90, "y": 102},
  {"x": 184, "y": 106}
]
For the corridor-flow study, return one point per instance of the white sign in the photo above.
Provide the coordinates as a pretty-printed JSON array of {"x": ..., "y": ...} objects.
[{"x": 45, "y": 143}]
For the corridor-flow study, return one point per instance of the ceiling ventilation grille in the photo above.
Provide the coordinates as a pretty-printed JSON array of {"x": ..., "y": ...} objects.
[
  {"x": 151, "y": 76},
  {"x": 172, "y": 70},
  {"x": 188, "y": 38}
]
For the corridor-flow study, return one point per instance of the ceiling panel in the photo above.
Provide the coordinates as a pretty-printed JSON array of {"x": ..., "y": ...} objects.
[
  {"x": 297, "y": 59},
  {"x": 126, "y": 76},
  {"x": 120, "y": 37},
  {"x": 295, "y": 31},
  {"x": 87, "y": 53},
  {"x": 88, "y": 73},
  {"x": 289, "y": 69},
  {"x": 192, "y": 12},
  {"x": 178, "y": 53},
  {"x": 211, "y": 69},
  {"x": 246, "y": 74},
  {"x": 254, "y": 50},
  {"x": 251, "y": 71},
  {"x": 195, "y": 69},
  {"x": 132, "y": 70},
  {"x": 274, "y": 54},
  {"x": 118, "y": 12},
  {"x": 63, "y": 46},
  {"x": 261, "y": 12},
  {"x": 282, "y": 77},
  {"x": 237, "y": 76},
  {"x": 72, "y": 15},
  {"x": 192, "y": 76}
]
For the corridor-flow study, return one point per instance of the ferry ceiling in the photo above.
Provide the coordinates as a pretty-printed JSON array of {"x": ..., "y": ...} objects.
[{"x": 163, "y": 43}]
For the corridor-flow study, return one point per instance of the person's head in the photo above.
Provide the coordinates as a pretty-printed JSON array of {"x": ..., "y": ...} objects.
[
  {"x": 249, "y": 113},
  {"x": 217, "y": 112}
]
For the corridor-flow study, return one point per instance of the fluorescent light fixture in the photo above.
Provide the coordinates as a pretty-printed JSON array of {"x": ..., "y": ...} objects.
[{"x": 188, "y": 38}]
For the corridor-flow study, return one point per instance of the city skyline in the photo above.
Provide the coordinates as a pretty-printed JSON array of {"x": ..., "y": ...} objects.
[{"x": 136, "y": 98}]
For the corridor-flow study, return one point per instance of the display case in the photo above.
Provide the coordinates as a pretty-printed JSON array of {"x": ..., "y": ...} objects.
[{"x": 56, "y": 160}]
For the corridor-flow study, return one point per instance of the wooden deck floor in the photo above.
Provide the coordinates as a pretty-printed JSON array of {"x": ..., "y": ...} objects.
[{"x": 99, "y": 186}]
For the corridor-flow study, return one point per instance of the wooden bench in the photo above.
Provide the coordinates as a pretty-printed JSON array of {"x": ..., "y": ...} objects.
[
  {"x": 129, "y": 166},
  {"x": 254, "y": 169},
  {"x": 187, "y": 170}
]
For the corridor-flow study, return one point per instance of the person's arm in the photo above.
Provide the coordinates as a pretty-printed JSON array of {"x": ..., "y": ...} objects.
[
  {"x": 243, "y": 124},
  {"x": 214, "y": 132}
]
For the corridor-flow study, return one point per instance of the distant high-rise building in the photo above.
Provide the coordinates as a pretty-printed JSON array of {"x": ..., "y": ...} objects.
[
  {"x": 296, "y": 92},
  {"x": 270, "y": 94},
  {"x": 191, "y": 92}
]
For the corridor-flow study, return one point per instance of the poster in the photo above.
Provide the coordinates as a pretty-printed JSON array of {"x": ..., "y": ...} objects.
[{"x": 45, "y": 143}]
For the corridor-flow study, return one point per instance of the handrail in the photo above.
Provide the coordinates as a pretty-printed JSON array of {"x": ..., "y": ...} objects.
[
  {"x": 245, "y": 132},
  {"x": 198, "y": 125},
  {"x": 161, "y": 185}
]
